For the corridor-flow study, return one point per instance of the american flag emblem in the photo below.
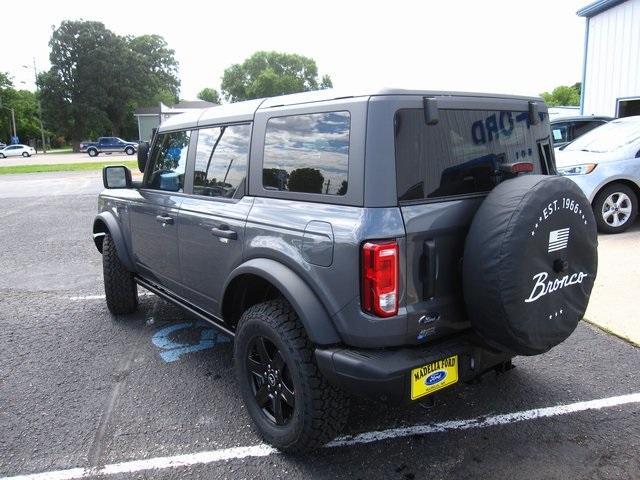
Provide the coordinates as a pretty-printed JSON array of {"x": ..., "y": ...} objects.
[{"x": 558, "y": 239}]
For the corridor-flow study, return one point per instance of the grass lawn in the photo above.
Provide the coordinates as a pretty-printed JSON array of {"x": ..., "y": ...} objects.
[{"x": 64, "y": 167}]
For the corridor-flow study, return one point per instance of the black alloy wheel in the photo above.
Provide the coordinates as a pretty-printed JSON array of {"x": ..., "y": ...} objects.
[
  {"x": 292, "y": 405},
  {"x": 270, "y": 381}
]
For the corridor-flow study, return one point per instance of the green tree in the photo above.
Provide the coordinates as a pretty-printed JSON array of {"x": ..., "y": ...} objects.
[
  {"x": 98, "y": 78},
  {"x": 5, "y": 81},
  {"x": 563, "y": 95},
  {"x": 147, "y": 75},
  {"x": 75, "y": 89},
  {"x": 308, "y": 180},
  {"x": 157, "y": 69},
  {"x": 209, "y": 95},
  {"x": 578, "y": 87},
  {"x": 25, "y": 107},
  {"x": 266, "y": 74}
]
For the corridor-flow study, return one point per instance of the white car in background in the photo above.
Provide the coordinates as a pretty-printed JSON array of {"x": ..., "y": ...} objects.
[
  {"x": 16, "y": 150},
  {"x": 605, "y": 163}
]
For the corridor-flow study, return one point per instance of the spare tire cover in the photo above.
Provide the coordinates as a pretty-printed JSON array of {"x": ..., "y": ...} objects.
[{"x": 530, "y": 261}]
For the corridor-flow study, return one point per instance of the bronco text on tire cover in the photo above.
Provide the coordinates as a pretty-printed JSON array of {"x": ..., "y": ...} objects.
[{"x": 530, "y": 263}]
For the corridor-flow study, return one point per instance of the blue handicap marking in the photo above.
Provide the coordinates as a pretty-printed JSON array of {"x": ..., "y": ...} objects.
[{"x": 173, "y": 350}]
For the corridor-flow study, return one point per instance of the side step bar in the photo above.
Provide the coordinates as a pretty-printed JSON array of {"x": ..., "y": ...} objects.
[{"x": 182, "y": 303}]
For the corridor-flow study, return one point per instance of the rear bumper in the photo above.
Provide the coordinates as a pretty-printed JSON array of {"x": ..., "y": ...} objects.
[{"x": 384, "y": 374}]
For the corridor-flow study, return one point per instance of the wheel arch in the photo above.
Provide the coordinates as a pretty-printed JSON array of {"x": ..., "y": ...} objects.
[
  {"x": 624, "y": 181},
  {"x": 104, "y": 223},
  {"x": 246, "y": 286}
]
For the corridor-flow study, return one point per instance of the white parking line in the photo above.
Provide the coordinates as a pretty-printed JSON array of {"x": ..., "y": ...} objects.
[{"x": 263, "y": 450}]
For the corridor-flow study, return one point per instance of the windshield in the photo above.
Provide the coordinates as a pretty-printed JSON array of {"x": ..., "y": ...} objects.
[{"x": 607, "y": 138}]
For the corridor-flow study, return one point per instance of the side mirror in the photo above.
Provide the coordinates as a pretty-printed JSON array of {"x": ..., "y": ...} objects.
[
  {"x": 116, "y": 176},
  {"x": 143, "y": 155}
]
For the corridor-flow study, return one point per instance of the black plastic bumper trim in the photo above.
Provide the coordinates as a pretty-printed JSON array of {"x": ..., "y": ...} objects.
[{"x": 383, "y": 374}]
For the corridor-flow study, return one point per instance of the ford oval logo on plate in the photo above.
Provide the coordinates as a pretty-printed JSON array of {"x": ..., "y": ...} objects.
[{"x": 435, "y": 377}]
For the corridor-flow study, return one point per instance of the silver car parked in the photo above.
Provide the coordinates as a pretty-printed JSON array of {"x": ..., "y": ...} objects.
[
  {"x": 17, "y": 150},
  {"x": 605, "y": 163}
]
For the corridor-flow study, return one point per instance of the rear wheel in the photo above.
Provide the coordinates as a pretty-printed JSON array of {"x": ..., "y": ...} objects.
[
  {"x": 2, "y": 155},
  {"x": 25, "y": 154},
  {"x": 92, "y": 152},
  {"x": 129, "y": 151},
  {"x": 120, "y": 288},
  {"x": 615, "y": 208},
  {"x": 292, "y": 406}
]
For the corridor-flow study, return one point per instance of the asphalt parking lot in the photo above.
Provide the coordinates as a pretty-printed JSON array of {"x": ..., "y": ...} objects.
[{"x": 153, "y": 395}]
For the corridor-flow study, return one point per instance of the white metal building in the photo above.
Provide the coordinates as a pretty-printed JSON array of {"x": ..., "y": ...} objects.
[
  {"x": 611, "y": 71},
  {"x": 151, "y": 117}
]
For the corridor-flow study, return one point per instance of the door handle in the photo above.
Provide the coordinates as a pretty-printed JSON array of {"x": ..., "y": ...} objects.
[
  {"x": 223, "y": 231},
  {"x": 165, "y": 220}
]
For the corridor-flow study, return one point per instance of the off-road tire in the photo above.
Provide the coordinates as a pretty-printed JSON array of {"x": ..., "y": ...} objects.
[
  {"x": 120, "y": 288},
  {"x": 320, "y": 411},
  {"x": 603, "y": 195},
  {"x": 92, "y": 152}
]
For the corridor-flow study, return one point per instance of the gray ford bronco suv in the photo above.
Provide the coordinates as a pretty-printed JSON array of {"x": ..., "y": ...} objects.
[{"x": 387, "y": 244}]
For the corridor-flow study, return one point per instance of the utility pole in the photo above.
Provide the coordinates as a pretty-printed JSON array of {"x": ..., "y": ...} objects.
[
  {"x": 35, "y": 74},
  {"x": 13, "y": 118},
  {"x": 13, "y": 121}
]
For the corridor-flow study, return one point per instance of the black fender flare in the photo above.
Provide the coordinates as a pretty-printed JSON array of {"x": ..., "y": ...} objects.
[
  {"x": 312, "y": 314},
  {"x": 106, "y": 220}
]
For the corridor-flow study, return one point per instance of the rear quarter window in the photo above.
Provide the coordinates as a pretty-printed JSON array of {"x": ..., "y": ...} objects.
[
  {"x": 462, "y": 153},
  {"x": 307, "y": 153}
]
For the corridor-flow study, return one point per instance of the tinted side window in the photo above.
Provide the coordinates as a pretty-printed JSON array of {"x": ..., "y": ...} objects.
[
  {"x": 463, "y": 152},
  {"x": 307, "y": 153},
  {"x": 169, "y": 162},
  {"x": 221, "y": 161},
  {"x": 580, "y": 128}
]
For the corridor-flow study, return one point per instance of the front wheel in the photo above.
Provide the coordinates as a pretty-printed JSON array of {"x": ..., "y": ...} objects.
[
  {"x": 120, "y": 288},
  {"x": 92, "y": 152},
  {"x": 129, "y": 151},
  {"x": 292, "y": 405},
  {"x": 615, "y": 208}
]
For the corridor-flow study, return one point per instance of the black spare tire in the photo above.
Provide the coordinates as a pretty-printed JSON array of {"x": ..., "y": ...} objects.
[
  {"x": 530, "y": 261},
  {"x": 143, "y": 155}
]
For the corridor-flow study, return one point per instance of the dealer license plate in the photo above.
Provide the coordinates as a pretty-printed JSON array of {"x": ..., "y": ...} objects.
[{"x": 434, "y": 376}]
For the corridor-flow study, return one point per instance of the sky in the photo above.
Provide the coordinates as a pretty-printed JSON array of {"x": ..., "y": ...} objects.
[{"x": 498, "y": 46}]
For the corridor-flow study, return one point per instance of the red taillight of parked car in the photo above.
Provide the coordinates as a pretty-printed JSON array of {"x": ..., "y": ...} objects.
[{"x": 380, "y": 278}]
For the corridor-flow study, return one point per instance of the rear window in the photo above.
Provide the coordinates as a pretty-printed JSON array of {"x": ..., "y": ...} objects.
[
  {"x": 462, "y": 153},
  {"x": 307, "y": 153},
  {"x": 580, "y": 128}
]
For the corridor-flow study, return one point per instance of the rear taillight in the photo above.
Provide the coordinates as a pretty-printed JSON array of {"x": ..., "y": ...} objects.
[{"x": 380, "y": 278}]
